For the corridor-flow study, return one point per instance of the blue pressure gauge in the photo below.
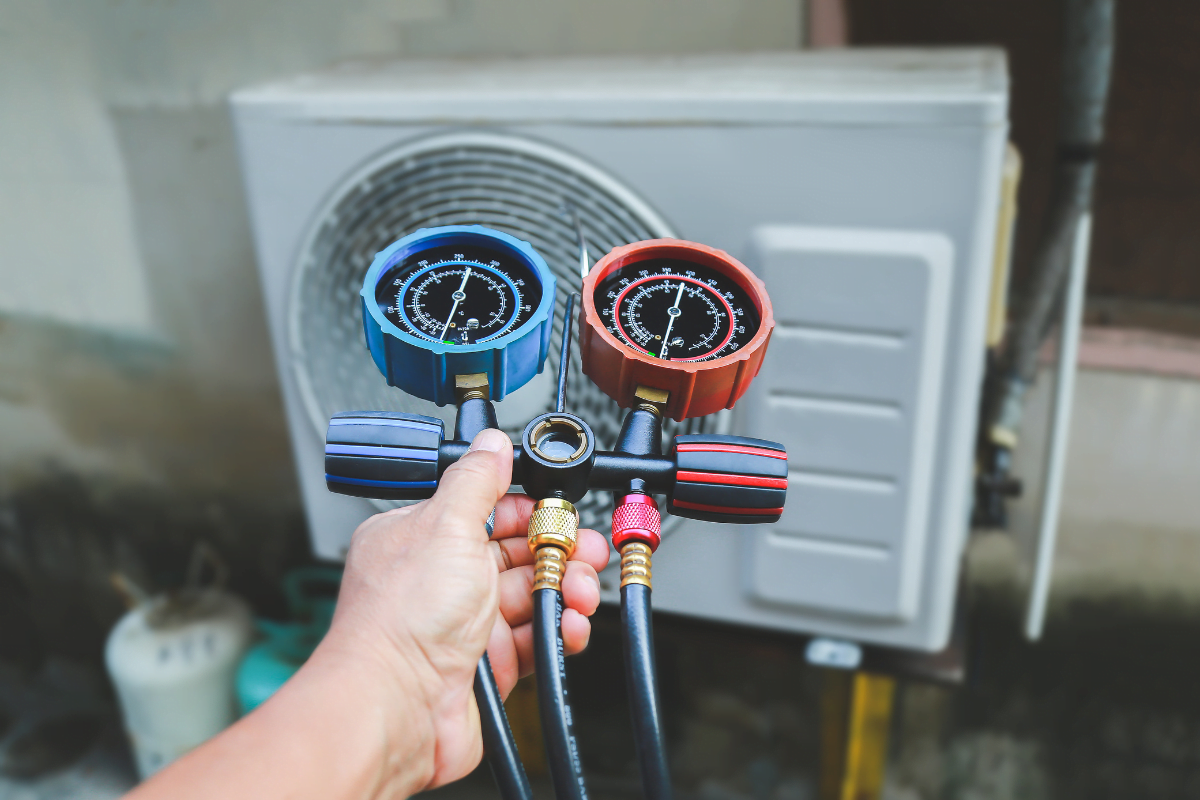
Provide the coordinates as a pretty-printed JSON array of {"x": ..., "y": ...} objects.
[{"x": 458, "y": 300}]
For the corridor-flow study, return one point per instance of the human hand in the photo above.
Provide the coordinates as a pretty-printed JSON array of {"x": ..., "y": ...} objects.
[
  {"x": 384, "y": 708},
  {"x": 420, "y": 596}
]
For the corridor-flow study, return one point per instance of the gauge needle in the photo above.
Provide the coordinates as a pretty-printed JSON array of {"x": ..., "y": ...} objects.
[
  {"x": 458, "y": 296},
  {"x": 672, "y": 312}
]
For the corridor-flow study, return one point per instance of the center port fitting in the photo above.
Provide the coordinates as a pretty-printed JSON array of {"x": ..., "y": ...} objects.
[
  {"x": 560, "y": 440},
  {"x": 635, "y": 564},
  {"x": 553, "y": 531},
  {"x": 650, "y": 399},
  {"x": 558, "y": 451},
  {"x": 472, "y": 387}
]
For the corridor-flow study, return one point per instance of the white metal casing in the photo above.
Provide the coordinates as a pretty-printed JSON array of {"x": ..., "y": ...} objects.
[{"x": 862, "y": 185}]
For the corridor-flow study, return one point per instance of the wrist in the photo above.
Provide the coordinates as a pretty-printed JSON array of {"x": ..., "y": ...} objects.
[
  {"x": 339, "y": 729},
  {"x": 378, "y": 713}
]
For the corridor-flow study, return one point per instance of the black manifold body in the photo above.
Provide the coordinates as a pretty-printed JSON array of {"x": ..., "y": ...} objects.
[{"x": 395, "y": 456}]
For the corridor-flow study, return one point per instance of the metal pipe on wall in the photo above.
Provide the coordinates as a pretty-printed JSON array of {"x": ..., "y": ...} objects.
[{"x": 1087, "y": 69}]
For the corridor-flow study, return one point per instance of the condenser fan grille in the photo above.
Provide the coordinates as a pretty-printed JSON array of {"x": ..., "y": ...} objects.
[{"x": 511, "y": 184}]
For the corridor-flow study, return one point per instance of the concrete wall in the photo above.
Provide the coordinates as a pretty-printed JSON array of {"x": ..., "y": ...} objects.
[
  {"x": 1130, "y": 519},
  {"x": 1106, "y": 704}
]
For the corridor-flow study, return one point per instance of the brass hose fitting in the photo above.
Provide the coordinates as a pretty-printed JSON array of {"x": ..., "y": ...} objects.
[
  {"x": 549, "y": 569},
  {"x": 649, "y": 399},
  {"x": 553, "y": 531},
  {"x": 472, "y": 387},
  {"x": 635, "y": 564}
]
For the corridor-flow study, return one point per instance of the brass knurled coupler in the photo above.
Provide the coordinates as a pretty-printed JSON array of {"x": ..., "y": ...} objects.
[{"x": 553, "y": 531}]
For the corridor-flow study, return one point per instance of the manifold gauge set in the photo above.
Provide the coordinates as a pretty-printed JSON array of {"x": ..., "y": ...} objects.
[{"x": 668, "y": 329}]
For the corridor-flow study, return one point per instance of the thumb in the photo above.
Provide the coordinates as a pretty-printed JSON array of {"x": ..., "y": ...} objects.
[{"x": 470, "y": 488}]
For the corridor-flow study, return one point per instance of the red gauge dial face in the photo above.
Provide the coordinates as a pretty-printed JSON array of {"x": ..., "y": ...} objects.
[
  {"x": 676, "y": 310},
  {"x": 678, "y": 317}
]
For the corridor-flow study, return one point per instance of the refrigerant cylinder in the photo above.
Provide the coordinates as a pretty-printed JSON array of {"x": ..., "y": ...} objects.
[{"x": 173, "y": 660}]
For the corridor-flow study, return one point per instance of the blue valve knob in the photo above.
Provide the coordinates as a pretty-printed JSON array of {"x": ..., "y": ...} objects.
[
  {"x": 458, "y": 300},
  {"x": 384, "y": 455}
]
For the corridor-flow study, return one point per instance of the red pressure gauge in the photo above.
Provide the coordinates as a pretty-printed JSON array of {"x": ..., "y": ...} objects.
[{"x": 675, "y": 316}]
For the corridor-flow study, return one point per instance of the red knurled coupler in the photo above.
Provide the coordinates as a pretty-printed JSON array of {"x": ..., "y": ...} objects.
[{"x": 636, "y": 519}]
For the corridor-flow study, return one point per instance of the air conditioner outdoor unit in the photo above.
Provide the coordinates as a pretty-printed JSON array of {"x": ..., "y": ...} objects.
[{"x": 862, "y": 186}]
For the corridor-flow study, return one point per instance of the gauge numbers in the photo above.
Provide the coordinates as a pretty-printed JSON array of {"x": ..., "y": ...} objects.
[
  {"x": 676, "y": 310},
  {"x": 459, "y": 294}
]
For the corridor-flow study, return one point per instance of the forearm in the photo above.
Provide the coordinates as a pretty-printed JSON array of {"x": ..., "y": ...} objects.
[{"x": 332, "y": 732}]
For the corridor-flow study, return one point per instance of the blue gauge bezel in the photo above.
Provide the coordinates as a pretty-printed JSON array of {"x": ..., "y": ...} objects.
[{"x": 506, "y": 358}]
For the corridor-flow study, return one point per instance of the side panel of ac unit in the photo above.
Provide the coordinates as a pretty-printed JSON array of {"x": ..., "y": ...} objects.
[{"x": 853, "y": 379}]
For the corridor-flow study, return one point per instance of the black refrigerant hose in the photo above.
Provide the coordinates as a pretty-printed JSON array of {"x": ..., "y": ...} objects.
[
  {"x": 562, "y": 749},
  {"x": 498, "y": 743},
  {"x": 499, "y": 746},
  {"x": 553, "y": 526},
  {"x": 637, "y": 632},
  {"x": 636, "y": 532}
]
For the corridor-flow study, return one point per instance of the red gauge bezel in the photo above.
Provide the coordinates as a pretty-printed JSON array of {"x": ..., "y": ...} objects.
[{"x": 696, "y": 387}]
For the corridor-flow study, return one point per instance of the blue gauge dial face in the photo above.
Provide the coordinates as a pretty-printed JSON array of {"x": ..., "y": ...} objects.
[{"x": 459, "y": 294}]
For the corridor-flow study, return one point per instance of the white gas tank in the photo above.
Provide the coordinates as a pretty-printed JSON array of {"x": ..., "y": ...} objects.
[{"x": 173, "y": 660}]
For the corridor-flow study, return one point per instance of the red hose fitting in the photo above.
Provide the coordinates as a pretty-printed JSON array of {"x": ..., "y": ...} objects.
[{"x": 636, "y": 519}]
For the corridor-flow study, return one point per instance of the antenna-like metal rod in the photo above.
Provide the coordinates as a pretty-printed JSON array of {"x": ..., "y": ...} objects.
[
  {"x": 585, "y": 262},
  {"x": 564, "y": 353}
]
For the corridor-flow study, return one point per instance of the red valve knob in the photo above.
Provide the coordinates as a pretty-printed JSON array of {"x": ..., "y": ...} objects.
[
  {"x": 636, "y": 519},
  {"x": 728, "y": 479}
]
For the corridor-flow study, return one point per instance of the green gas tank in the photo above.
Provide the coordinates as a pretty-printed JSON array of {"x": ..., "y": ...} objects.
[{"x": 311, "y": 594}]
